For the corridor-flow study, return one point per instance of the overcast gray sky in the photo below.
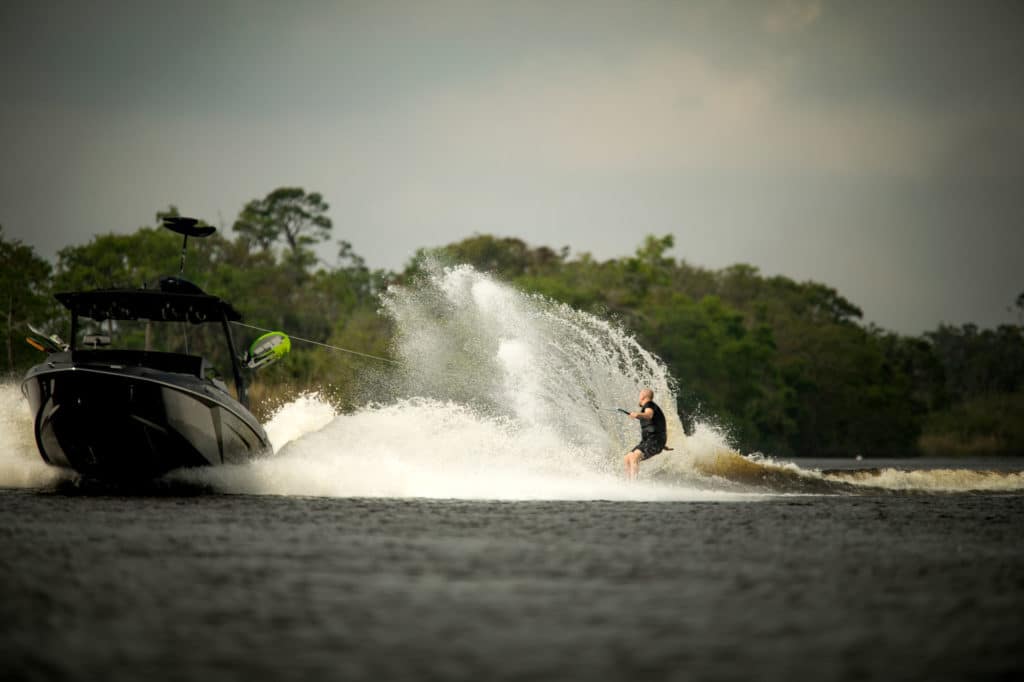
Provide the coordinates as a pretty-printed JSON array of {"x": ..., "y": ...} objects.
[{"x": 874, "y": 146}]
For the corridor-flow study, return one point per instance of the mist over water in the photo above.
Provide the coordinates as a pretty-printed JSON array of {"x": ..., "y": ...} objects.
[{"x": 499, "y": 395}]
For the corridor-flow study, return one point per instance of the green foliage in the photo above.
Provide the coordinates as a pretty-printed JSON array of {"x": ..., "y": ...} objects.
[
  {"x": 118, "y": 260},
  {"x": 979, "y": 362},
  {"x": 990, "y": 424},
  {"x": 724, "y": 367},
  {"x": 355, "y": 380},
  {"x": 507, "y": 258},
  {"x": 24, "y": 298},
  {"x": 290, "y": 215}
]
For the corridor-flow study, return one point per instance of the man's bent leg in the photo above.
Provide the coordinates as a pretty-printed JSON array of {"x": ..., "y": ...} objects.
[{"x": 633, "y": 464}]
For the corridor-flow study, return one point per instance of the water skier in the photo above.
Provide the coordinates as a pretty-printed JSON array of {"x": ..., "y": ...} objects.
[{"x": 652, "y": 433}]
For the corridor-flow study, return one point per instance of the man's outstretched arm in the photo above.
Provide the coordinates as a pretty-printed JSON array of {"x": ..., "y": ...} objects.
[{"x": 646, "y": 415}]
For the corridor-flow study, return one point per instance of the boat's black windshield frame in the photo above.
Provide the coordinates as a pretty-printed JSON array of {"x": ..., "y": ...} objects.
[
  {"x": 147, "y": 304},
  {"x": 157, "y": 306}
]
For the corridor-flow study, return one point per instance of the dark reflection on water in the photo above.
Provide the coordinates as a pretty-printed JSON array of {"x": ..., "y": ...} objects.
[{"x": 236, "y": 587}]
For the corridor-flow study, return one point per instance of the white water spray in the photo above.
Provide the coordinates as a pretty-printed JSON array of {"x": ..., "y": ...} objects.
[
  {"x": 466, "y": 338},
  {"x": 20, "y": 463},
  {"x": 499, "y": 395}
]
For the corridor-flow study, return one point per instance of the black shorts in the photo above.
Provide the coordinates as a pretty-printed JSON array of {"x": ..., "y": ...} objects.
[{"x": 649, "y": 447}]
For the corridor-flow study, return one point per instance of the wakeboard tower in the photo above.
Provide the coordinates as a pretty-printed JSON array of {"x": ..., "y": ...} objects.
[{"x": 138, "y": 389}]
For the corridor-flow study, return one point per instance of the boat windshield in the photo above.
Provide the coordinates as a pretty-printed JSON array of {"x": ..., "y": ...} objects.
[{"x": 202, "y": 340}]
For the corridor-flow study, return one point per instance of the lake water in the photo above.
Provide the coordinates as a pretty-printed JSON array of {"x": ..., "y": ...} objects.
[{"x": 778, "y": 587}]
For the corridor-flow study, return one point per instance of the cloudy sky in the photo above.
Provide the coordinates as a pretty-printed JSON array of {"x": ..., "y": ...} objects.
[{"x": 874, "y": 146}]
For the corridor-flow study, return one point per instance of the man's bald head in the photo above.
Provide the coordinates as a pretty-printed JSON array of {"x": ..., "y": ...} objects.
[{"x": 645, "y": 395}]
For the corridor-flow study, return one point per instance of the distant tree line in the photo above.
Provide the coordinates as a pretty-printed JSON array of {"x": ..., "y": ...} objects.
[{"x": 788, "y": 368}]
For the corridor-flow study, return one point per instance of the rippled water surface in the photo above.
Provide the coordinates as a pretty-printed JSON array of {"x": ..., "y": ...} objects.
[{"x": 262, "y": 587}]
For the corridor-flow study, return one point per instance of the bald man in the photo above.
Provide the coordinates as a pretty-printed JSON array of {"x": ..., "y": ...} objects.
[{"x": 652, "y": 433}]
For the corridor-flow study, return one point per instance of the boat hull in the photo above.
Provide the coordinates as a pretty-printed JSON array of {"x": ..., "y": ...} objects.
[{"x": 120, "y": 423}]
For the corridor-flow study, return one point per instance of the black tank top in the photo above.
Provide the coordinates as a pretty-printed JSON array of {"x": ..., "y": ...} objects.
[{"x": 656, "y": 425}]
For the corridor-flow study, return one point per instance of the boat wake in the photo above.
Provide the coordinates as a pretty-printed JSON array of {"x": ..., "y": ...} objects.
[
  {"x": 500, "y": 395},
  {"x": 424, "y": 447}
]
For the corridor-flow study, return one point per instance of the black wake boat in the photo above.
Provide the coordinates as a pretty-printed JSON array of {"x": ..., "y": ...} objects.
[{"x": 134, "y": 393}]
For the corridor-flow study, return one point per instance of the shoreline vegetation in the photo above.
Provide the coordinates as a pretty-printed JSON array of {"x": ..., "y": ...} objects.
[{"x": 786, "y": 368}]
